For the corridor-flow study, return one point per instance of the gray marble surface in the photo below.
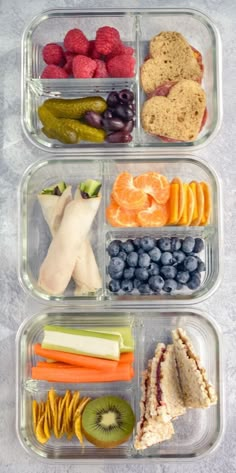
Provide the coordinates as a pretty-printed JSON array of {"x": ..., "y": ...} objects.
[{"x": 15, "y": 305}]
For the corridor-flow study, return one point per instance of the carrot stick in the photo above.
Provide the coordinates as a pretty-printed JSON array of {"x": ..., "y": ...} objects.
[
  {"x": 90, "y": 362},
  {"x": 56, "y": 365},
  {"x": 126, "y": 357},
  {"x": 82, "y": 375}
]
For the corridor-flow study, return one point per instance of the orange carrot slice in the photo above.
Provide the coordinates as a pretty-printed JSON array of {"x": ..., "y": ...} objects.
[
  {"x": 200, "y": 204},
  {"x": 75, "y": 359},
  {"x": 207, "y": 203}
]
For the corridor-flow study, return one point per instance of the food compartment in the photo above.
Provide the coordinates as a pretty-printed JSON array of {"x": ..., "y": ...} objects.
[
  {"x": 31, "y": 389},
  {"x": 36, "y": 235},
  {"x": 136, "y": 28},
  {"x": 197, "y": 430},
  {"x": 201, "y": 33},
  {"x": 197, "y": 433},
  {"x": 58, "y": 137},
  {"x": 187, "y": 171}
]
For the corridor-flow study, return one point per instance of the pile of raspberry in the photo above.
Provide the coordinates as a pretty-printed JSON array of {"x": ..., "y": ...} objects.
[{"x": 106, "y": 56}]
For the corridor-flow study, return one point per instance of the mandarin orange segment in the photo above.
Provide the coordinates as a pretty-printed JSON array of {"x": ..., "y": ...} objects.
[
  {"x": 154, "y": 184},
  {"x": 127, "y": 195},
  {"x": 207, "y": 203},
  {"x": 118, "y": 217},
  {"x": 200, "y": 204},
  {"x": 174, "y": 204},
  {"x": 155, "y": 216}
]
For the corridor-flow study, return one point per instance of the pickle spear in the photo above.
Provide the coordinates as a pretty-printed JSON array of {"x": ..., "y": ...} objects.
[
  {"x": 75, "y": 108},
  {"x": 56, "y": 128}
]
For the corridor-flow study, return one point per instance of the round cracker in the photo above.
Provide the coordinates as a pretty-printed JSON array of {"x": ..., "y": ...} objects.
[
  {"x": 199, "y": 204},
  {"x": 207, "y": 203},
  {"x": 177, "y": 180}
]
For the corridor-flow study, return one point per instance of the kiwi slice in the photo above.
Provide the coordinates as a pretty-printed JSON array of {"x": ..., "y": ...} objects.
[{"x": 108, "y": 421}]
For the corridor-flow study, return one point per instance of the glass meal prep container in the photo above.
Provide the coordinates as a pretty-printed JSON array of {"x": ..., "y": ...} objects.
[
  {"x": 197, "y": 433},
  {"x": 35, "y": 235},
  {"x": 136, "y": 28}
]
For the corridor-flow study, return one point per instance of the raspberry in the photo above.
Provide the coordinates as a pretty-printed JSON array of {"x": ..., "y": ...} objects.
[
  {"x": 54, "y": 72},
  {"x": 69, "y": 60},
  {"x": 53, "y": 54},
  {"x": 107, "y": 39},
  {"x": 83, "y": 67},
  {"x": 76, "y": 42},
  {"x": 92, "y": 52},
  {"x": 120, "y": 49},
  {"x": 101, "y": 70},
  {"x": 121, "y": 66}
]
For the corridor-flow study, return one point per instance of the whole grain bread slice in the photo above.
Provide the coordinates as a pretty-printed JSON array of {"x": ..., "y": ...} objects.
[
  {"x": 171, "y": 59},
  {"x": 179, "y": 115},
  {"x": 197, "y": 391}
]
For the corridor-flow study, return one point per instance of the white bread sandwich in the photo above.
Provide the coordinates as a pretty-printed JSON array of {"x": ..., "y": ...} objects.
[
  {"x": 179, "y": 115},
  {"x": 171, "y": 58},
  {"x": 197, "y": 391},
  {"x": 161, "y": 399}
]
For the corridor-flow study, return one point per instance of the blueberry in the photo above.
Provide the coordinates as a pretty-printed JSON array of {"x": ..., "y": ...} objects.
[
  {"x": 123, "y": 255},
  {"x": 114, "y": 247},
  {"x": 155, "y": 254},
  {"x": 179, "y": 256},
  {"x": 170, "y": 285},
  {"x": 180, "y": 267},
  {"x": 182, "y": 277},
  {"x": 169, "y": 272},
  {"x": 175, "y": 244},
  {"x": 167, "y": 258},
  {"x": 144, "y": 289},
  {"x": 115, "y": 266},
  {"x": 128, "y": 273},
  {"x": 196, "y": 272},
  {"x": 141, "y": 274},
  {"x": 194, "y": 282},
  {"x": 156, "y": 283},
  {"x": 164, "y": 244},
  {"x": 188, "y": 244},
  {"x": 141, "y": 251},
  {"x": 144, "y": 260},
  {"x": 114, "y": 285},
  {"x": 201, "y": 266},
  {"x": 179, "y": 286},
  {"x": 132, "y": 259},
  {"x": 136, "y": 242},
  {"x": 190, "y": 263},
  {"x": 126, "y": 285},
  {"x": 153, "y": 269},
  {"x": 147, "y": 243},
  {"x": 116, "y": 275},
  {"x": 136, "y": 283},
  {"x": 127, "y": 246},
  {"x": 199, "y": 245}
]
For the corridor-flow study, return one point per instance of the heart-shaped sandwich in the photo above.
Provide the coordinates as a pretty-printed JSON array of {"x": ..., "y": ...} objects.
[
  {"x": 171, "y": 58},
  {"x": 179, "y": 115}
]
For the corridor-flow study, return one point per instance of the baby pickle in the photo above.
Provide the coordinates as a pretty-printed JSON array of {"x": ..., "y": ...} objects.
[
  {"x": 75, "y": 108},
  {"x": 56, "y": 128},
  {"x": 86, "y": 132}
]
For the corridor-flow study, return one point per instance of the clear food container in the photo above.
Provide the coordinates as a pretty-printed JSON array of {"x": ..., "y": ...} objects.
[
  {"x": 34, "y": 238},
  {"x": 197, "y": 433},
  {"x": 136, "y": 28}
]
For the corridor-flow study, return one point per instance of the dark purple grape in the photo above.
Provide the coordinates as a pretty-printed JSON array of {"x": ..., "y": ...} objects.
[
  {"x": 113, "y": 124},
  {"x": 128, "y": 127},
  {"x": 119, "y": 137},
  {"x": 108, "y": 113},
  {"x": 126, "y": 96},
  {"x": 124, "y": 112},
  {"x": 113, "y": 99},
  {"x": 93, "y": 119}
]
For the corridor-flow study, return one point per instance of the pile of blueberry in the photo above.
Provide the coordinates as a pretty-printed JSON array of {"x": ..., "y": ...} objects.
[{"x": 147, "y": 265}]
